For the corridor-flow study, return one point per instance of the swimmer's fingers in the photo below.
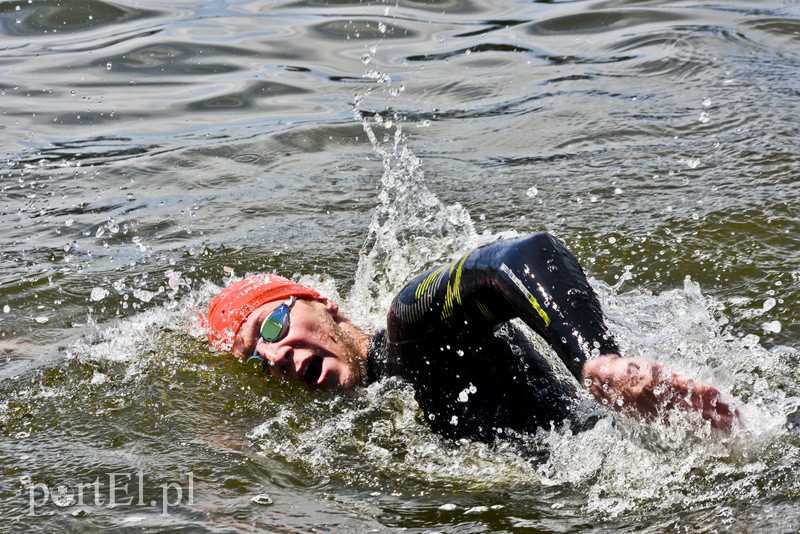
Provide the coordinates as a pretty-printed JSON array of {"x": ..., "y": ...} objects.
[
  {"x": 648, "y": 390},
  {"x": 706, "y": 399}
]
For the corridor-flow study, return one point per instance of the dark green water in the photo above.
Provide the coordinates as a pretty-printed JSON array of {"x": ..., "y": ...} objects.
[{"x": 151, "y": 150}]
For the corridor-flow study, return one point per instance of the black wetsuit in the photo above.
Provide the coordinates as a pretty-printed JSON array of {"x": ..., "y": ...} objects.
[{"x": 475, "y": 374}]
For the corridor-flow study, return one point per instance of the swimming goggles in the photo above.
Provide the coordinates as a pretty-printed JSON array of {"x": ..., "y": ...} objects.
[{"x": 273, "y": 329}]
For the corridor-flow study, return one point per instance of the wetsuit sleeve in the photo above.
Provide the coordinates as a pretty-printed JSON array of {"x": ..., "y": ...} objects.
[{"x": 534, "y": 278}]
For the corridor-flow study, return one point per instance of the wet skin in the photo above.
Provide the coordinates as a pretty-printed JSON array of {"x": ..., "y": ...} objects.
[
  {"x": 322, "y": 349},
  {"x": 648, "y": 390}
]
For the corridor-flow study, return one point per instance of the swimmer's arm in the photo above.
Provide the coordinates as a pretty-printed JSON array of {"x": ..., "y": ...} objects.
[
  {"x": 550, "y": 293},
  {"x": 549, "y": 290},
  {"x": 648, "y": 390},
  {"x": 546, "y": 287},
  {"x": 534, "y": 278}
]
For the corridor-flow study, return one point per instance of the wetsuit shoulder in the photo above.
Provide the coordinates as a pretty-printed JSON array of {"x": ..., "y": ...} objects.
[
  {"x": 442, "y": 334},
  {"x": 534, "y": 278}
]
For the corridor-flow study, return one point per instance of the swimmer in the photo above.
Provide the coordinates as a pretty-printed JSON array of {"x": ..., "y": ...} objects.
[{"x": 449, "y": 333}]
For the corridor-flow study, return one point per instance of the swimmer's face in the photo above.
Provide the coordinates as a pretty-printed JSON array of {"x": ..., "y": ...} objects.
[{"x": 318, "y": 350}]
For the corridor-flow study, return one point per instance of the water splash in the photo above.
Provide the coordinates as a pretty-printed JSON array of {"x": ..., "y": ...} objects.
[
  {"x": 411, "y": 229},
  {"x": 377, "y": 438}
]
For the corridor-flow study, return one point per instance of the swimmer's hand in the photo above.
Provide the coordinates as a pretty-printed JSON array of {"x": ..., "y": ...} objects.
[{"x": 647, "y": 389}]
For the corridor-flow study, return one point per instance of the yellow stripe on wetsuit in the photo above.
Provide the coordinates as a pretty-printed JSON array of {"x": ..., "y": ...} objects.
[
  {"x": 425, "y": 284},
  {"x": 453, "y": 294},
  {"x": 539, "y": 310},
  {"x": 484, "y": 310},
  {"x": 531, "y": 298}
]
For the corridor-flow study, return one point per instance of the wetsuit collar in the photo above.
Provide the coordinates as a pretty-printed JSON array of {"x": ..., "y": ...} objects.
[{"x": 376, "y": 357}]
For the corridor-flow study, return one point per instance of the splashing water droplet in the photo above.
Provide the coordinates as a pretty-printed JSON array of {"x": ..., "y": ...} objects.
[
  {"x": 98, "y": 294},
  {"x": 771, "y": 327},
  {"x": 262, "y": 499},
  {"x": 143, "y": 295},
  {"x": 99, "y": 378},
  {"x": 173, "y": 279}
]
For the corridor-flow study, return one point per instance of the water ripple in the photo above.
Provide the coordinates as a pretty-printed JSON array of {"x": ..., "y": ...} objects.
[{"x": 30, "y": 19}]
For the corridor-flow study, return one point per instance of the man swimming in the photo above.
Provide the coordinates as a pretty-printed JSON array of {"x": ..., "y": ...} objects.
[{"x": 450, "y": 333}]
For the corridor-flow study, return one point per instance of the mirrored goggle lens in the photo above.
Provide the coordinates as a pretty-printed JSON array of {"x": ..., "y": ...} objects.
[{"x": 275, "y": 325}]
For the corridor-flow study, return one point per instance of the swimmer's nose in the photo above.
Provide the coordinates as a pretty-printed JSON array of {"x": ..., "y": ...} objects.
[{"x": 277, "y": 356}]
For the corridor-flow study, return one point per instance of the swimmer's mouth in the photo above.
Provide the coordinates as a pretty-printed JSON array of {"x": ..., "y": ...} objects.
[{"x": 313, "y": 370}]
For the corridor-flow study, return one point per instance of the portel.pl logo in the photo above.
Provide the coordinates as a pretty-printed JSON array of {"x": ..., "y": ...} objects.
[{"x": 111, "y": 490}]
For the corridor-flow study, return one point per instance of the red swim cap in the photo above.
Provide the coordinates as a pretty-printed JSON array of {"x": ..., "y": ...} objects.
[{"x": 234, "y": 304}]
